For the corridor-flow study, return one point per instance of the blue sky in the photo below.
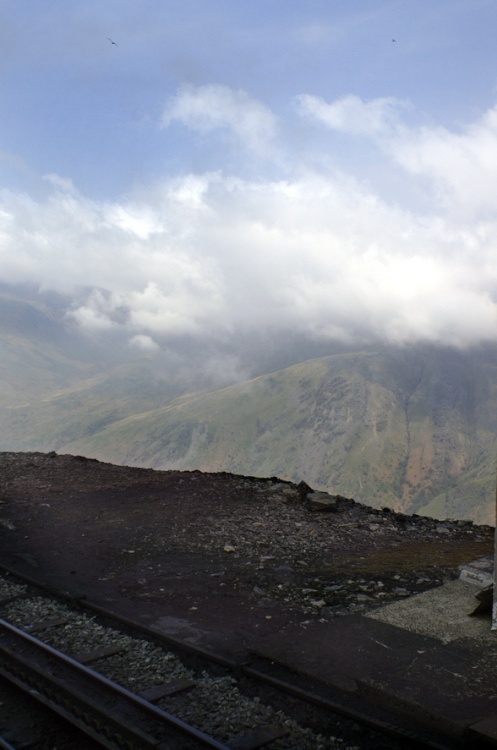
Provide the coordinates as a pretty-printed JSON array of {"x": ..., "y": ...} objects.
[{"x": 254, "y": 165}]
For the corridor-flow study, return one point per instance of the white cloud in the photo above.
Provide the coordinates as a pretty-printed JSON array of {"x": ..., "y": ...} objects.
[
  {"x": 459, "y": 169},
  {"x": 184, "y": 303},
  {"x": 322, "y": 255},
  {"x": 351, "y": 114},
  {"x": 134, "y": 219},
  {"x": 462, "y": 165},
  {"x": 64, "y": 183},
  {"x": 207, "y": 108},
  {"x": 144, "y": 343},
  {"x": 97, "y": 313}
]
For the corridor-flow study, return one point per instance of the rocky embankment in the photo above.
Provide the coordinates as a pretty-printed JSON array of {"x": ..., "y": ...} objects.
[{"x": 228, "y": 556}]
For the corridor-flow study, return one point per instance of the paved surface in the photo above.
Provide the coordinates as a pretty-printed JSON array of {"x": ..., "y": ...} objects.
[{"x": 423, "y": 656}]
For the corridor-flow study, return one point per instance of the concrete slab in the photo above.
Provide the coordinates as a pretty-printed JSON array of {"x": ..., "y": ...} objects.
[
  {"x": 445, "y": 689},
  {"x": 485, "y": 731},
  {"x": 479, "y": 572},
  {"x": 441, "y": 613},
  {"x": 343, "y": 650},
  {"x": 423, "y": 657}
]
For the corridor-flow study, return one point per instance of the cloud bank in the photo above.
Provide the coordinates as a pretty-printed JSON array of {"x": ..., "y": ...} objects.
[{"x": 308, "y": 247}]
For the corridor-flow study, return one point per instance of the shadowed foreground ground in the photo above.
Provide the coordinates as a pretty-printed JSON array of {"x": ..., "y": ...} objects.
[{"x": 217, "y": 558}]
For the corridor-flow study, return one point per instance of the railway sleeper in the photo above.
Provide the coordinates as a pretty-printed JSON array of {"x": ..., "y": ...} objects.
[
  {"x": 89, "y": 657},
  {"x": 4, "y": 600},
  {"x": 167, "y": 689},
  {"x": 39, "y": 627},
  {"x": 259, "y": 738}
]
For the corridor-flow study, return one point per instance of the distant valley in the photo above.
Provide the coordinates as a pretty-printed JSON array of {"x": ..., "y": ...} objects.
[{"x": 409, "y": 428}]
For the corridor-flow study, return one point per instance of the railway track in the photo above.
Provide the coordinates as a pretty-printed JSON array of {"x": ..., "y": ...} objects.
[
  {"x": 110, "y": 714},
  {"x": 129, "y": 688}
]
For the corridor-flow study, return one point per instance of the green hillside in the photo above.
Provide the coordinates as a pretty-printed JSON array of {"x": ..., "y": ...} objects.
[{"x": 365, "y": 425}]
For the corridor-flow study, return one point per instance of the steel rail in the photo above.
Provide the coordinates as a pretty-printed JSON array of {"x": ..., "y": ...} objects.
[
  {"x": 136, "y": 700},
  {"x": 79, "y": 710}
]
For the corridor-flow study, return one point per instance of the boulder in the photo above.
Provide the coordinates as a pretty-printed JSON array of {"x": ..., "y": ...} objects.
[{"x": 321, "y": 501}]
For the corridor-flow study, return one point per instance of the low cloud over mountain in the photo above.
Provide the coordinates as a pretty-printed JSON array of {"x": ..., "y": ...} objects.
[{"x": 306, "y": 247}]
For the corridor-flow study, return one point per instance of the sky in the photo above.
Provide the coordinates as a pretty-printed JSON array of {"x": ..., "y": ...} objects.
[{"x": 211, "y": 168}]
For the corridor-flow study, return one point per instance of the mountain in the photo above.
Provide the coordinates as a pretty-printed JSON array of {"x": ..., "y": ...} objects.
[{"x": 410, "y": 428}]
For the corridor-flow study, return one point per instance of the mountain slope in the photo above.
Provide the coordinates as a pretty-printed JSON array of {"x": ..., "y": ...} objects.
[{"x": 411, "y": 430}]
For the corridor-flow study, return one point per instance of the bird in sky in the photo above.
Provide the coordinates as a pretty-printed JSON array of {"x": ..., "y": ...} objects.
[{"x": 112, "y": 41}]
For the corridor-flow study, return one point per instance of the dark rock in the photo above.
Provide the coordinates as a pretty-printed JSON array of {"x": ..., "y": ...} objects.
[
  {"x": 304, "y": 490},
  {"x": 321, "y": 501},
  {"x": 485, "y": 599}
]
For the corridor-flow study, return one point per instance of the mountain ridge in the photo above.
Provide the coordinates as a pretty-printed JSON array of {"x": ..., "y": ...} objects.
[{"x": 303, "y": 423}]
